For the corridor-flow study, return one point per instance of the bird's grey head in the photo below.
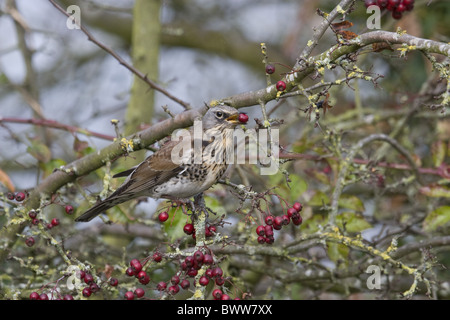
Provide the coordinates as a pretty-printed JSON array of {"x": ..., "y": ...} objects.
[{"x": 224, "y": 117}]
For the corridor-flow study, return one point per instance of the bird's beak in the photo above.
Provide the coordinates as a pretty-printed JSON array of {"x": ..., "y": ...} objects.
[{"x": 234, "y": 118}]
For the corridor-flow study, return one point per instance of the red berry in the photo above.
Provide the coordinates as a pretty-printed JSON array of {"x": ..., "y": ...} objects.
[
  {"x": 68, "y": 209},
  {"x": 43, "y": 296},
  {"x": 157, "y": 257},
  {"x": 174, "y": 289},
  {"x": 34, "y": 296},
  {"x": 270, "y": 240},
  {"x": 10, "y": 196},
  {"x": 189, "y": 260},
  {"x": 369, "y": 3},
  {"x": 260, "y": 230},
  {"x": 81, "y": 274},
  {"x": 225, "y": 297},
  {"x": 382, "y": 3},
  {"x": 130, "y": 272},
  {"x": 113, "y": 282},
  {"x": 281, "y": 85},
  {"x": 32, "y": 214},
  {"x": 188, "y": 228},
  {"x": 277, "y": 222},
  {"x": 185, "y": 284},
  {"x": 396, "y": 15},
  {"x": 88, "y": 278},
  {"x": 269, "y": 220},
  {"x": 291, "y": 211},
  {"x": 139, "y": 292},
  {"x": 136, "y": 265},
  {"x": 68, "y": 297},
  {"x": 217, "y": 294},
  {"x": 204, "y": 280},
  {"x": 29, "y": 241},
  {"x": 268, "y": 231},
  {"x": 261, "y": 239},
  {"x": 55, "y": 222},
  {"x": 199, "y": 256},
  {"x": 270, "y": 69},
  {"x": 35, "y": 222},
  {"x": 94, "y": 287},
  {"x": 285, "y": 218},
  {"x": 298, "y": 206},
  {"x": 192, "y": 272},
  {"x": 243, "y": 118},
  {"x": 209, "y": 273},
  {"x": 161, "y": 286},
  {"x": 20, "y": 196},
  {"x": 220, "y": 281},
  {"x": 87, "y": 292},
  {"x": 163, "y": 216},
  {"x": 175, "y": 279},
  {"x": 143, "y": 277},
  {"x": 217, "y": 272},
  {"x": 208, "y": 259},
  {"x": 297, "y": 220},
  {"x": 129, "y": 295}
]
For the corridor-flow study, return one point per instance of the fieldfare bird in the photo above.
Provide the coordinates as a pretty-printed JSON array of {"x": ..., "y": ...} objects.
[{"x": 162, "y": 175}]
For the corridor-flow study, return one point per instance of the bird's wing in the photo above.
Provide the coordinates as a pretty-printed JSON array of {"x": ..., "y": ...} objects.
[{"x": 154, "y": 170}]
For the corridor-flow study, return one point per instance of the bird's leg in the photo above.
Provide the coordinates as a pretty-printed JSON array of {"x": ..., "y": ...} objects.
[
  {"x": 199, "y": 202},
  {"x": 183, "y": 203}
]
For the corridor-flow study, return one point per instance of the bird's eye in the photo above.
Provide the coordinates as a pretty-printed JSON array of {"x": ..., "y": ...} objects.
[{"x": 219, "y": 114}]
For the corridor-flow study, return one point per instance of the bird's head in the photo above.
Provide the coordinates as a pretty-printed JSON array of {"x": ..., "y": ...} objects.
[{"x": 225, "y": 117}]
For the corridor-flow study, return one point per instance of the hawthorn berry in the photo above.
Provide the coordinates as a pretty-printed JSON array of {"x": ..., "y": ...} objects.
[
  {"x": 136, "y": 265},
  {"x": 55, "y": 222},
  {"x": 243, "y": 118},
  {"x": 174, "y": 289},
  {"x": 281, "y": 85},
  {"x": 32, "y": 214},
  {"x": 139, "y": 292},
  {"x": 86, "y": 292},
  {"x": 285, "y": 219},
  {"x": 268, "y": 230},
  {"x": 130, "y": 272},
  {"x": 161, "y": 286},
  {"x": 157, "y": 257},
  {"x": 220, "y": 281},
  {"x": 297, "y": 206},
  {"x": 192, "y": 272},
  {"x": 203, "y": 281},
  {"x": 225, "y": 297},
  {"x": 209, "y": 273},
  {"x": 270, "y": 68},
  {"x": 188, "y": 228},
  {"x": 175, "y": 279},
  {"x": 94, "y": 287},
  {"x": 29, "y": 241},
  {"x": 143, "y": 277},
  {"x": 185, "y": 284},
  {"x": 291, "y": 211},
  {"x": 269, "y": 220},
  {"x": 88, "y": 278},
  {"x": 10, "y": 196},
  {"x": 163, "y": 216},
  {"x": 261, "y": 239},
  {"x": 217, "y": 294},
  {"x": 260, "y": 230},
  {"x": 113, "y": 282},
  {"x": 68, "y": 297},
  {"x": 129, "y": 295},
  {"x": 34, "y": 296},
  {"x": 189, "y": 260},
  {"x": 199, "y": 256},
  {"x": 20, "y": 196},
  {"x": 43, "y": 296},
  {"x": 208, "y": 259},
  {"x": 68, "y": 209},
  {"x": 217, "y": 272}
]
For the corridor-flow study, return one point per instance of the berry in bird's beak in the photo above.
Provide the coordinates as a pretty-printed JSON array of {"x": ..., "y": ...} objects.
[{"x": 243, "y": 118}]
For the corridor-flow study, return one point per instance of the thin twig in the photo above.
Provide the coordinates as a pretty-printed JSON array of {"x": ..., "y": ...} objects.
[{"x": 138, "y": 73}]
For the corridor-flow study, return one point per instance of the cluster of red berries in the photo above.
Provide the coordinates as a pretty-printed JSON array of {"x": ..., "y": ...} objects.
[
  {"x": 43, "y": 296},
  {"x": 17, "y": 196},
  {"x": 397, "y": 7},
  {"x": 281, "y": 85},
  {"x": 265, "y": 232},
  {"x": 53, "y": 223},
  {"x": 189, "y": 229}
]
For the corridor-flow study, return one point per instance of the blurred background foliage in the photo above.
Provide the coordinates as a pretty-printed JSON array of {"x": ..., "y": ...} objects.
[{"x": 211, "y": 50}]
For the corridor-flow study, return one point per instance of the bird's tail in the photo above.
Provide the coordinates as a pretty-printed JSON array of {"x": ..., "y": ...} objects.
[{"x": 96, "y": 210}]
